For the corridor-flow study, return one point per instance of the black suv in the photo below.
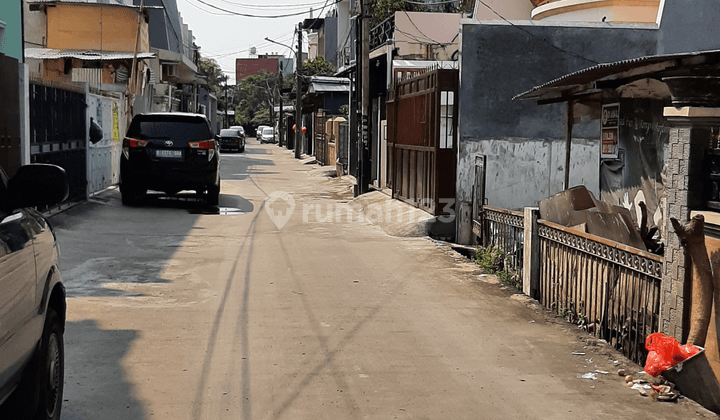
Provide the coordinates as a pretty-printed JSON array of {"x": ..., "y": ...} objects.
[
  {"x": 169, "y": 152},
  {"x": 231, "y": 138},
  {"x": 32, "y": 296}
]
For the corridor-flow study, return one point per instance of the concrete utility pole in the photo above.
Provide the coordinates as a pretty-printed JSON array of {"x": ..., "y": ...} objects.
[
  {"x": 226, "y": 105},
  {"x": 364, "y": 60},
  {"x": 281, "y": 119},
  {"x": 298, "y": 94}
]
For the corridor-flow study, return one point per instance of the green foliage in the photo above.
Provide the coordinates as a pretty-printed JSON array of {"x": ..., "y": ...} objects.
[
  {"x": 317, "y": 67},
  {"x": 345, "y": 110},
  {"x": 491, "y": 259},
  {"x": 384, "y": 9},
  {"x": 210, "y": 69},
  {"x": 494, "y": 261},
  {"x": 254, "y": 97}
]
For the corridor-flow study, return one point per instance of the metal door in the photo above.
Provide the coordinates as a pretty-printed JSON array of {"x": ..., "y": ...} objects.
[{"x": 479, "y": 197}]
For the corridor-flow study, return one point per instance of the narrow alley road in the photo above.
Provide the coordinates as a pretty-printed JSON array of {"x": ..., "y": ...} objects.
[{"x": 305, "y": 311}]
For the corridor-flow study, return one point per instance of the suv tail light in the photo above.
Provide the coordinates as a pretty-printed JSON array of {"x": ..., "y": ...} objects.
[
  {"x": 205, "y": 144},
  {"x": 130, "y": 143},
  {"x": 209, "y": 145}
]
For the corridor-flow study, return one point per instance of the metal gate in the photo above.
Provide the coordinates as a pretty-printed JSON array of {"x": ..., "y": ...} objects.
[
  {"x": 422, "y": 140},
  {"x": 58, "y": 130},
  {"x": 479, "y": 198},
  {"x": 104, "y": 156},
  {"x": 320, "y": 140},
  {"x": 10, "y": 115}
]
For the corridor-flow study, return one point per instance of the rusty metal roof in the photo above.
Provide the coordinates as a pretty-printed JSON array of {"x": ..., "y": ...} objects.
[
  {"x": 586, "y": 80},
  {"x": 93, "y": 3},
  {"x": 88, "y": 55}
]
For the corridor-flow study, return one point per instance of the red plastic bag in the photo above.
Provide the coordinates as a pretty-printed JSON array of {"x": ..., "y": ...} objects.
[{"x": 665, "y": 352}]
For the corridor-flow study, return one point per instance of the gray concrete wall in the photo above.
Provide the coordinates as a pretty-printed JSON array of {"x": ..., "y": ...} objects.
[
  {"x": 525, "y": 142},
  {"x": 689, "y": 25}
]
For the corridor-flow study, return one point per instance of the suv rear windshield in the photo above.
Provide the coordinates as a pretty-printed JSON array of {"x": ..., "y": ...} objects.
[
  {"x": 175, "y": 127},
  {"x": 229, "y": 133}
]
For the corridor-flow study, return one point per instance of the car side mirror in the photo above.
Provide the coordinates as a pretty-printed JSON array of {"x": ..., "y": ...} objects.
[{"x": 38, "y": 184}]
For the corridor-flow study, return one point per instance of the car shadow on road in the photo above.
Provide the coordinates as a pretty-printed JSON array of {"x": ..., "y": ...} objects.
[{"x": 95, "y": 384}]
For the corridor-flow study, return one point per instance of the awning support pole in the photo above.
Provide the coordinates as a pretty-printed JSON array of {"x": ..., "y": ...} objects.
[{"x": 568, "y": 143}]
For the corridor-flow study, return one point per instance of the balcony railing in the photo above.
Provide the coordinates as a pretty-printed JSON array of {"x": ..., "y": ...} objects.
[{"x": 380, "y": 34}]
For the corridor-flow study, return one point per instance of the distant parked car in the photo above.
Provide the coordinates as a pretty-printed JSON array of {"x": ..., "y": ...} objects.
[
  {"x": 169, "y": 152},
  {"x": 258, "y": 131},
  {"x": 32, "y": 296},
  {"x": 231, "y": 138},
  {"x": 267, "y": 135},
  {"x": 239, "y": 128}
]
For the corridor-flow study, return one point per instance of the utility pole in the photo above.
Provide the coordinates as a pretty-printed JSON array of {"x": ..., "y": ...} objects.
[
  {"x": 363, "y": 59},
  {"x": 226, "y": 105},
  {"x": 298, "y": 95},
  {"x": 281, "y": 122}
]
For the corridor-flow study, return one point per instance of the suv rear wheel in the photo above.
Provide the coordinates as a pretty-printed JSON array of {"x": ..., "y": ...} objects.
[
  {"x": 213, "y": 195},
  {"x": 131, "y": 196}
]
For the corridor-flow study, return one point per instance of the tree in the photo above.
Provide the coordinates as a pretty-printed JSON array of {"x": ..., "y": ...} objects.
[
  {"x": 217, "y": 80},
  {"x": 256, "y": 95},
  {"x": 383, "y": 9},
  {"x": 317, "y": 67}
]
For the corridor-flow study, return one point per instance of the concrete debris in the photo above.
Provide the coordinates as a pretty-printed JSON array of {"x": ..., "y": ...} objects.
[{"x": 578, "y": 208}]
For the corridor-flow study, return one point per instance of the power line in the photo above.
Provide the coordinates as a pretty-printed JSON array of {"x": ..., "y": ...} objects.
[
  {"x": 273, "y": 6},
  {"x": 537, "y": 37},
  {"x": 260, "y": 16}
]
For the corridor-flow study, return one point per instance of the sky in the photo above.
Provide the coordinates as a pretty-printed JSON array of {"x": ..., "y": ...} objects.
[{"x": 224, "y": 36}]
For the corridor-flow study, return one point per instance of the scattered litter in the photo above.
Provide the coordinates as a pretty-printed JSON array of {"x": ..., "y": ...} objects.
[
  {"x": 602, "y": 372},
  {"x": 621, "y": 372},
  {"x": 616, "y": 362},
  {"x": 356, "y": 281},
  {"x": 629, "y": 378},
  {"x": 639, "y": 381},
  {"x": 589, "y": 360},
  {"x": 641, "y": 386},
  {"x": 592, "y": 387},
  {"x": 531, "y": 322},
  {"x": 602, "y": 341},
  {"x": 578, "y": 353},
  {"x": 589, "y": 375}
]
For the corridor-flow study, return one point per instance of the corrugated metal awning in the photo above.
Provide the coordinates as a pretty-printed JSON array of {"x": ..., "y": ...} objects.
[
  {"x": 320, "y": 84},
  {"x": 586, "y": 80},
  {"x": 318, "y": 87},
  {"x": 88, "y": 55}
]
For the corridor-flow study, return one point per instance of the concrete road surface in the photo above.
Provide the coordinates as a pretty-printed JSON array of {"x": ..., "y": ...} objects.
[{"x": 287, "y": 303}]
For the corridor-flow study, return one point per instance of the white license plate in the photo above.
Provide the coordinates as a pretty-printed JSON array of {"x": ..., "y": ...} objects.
[{"x": 168, "y": 153}]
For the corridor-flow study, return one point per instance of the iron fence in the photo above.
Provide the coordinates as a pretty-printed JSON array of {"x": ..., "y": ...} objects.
[
  {"x": 609, "y": 289},
  {"x": 58, "y": 131},
  {"x": 504, "y": 229}
]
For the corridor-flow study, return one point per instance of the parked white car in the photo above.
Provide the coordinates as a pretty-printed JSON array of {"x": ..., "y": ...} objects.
[
  {"x": 268, "y": 135},
  {"x": 259, "y": 130}
]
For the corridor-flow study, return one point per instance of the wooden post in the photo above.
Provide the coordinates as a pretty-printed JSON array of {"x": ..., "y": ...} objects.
[
  {"x": 568, "y": 143},
  {"x": 531, "y": 253}
]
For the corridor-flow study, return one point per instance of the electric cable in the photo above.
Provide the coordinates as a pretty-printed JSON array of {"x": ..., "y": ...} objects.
[{"x": 537, "y": 37}]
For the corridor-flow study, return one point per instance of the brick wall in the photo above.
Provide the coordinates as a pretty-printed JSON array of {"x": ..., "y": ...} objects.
[
  {"x": 676, "y": 205},
  {"x": 684, "y": 182}
]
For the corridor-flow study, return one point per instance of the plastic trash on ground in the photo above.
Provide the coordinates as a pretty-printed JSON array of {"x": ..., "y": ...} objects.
[{"x": 665, "y": 352}]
